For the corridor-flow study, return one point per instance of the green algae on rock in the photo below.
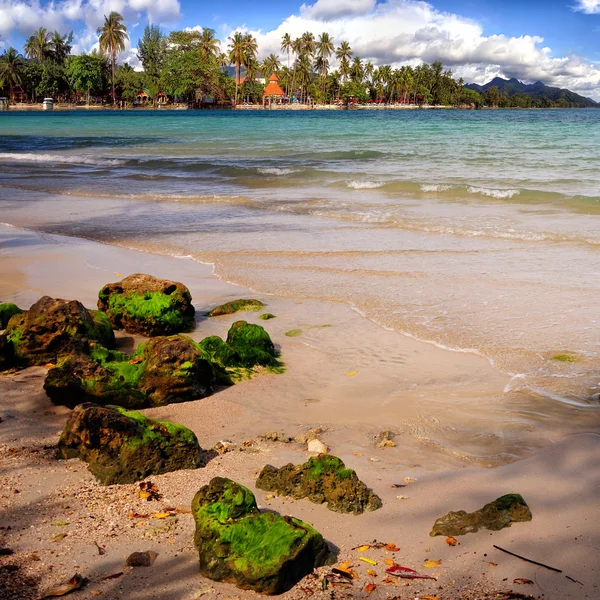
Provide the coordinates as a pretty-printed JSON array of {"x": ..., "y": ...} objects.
[
  {"x": 54, "y": 327},
  {"x": 243, "y": 304},
  {"x": 147, "y": 305},
  {"x": 8, "y": 310},
  {"x": 494, "y": 516},
  {"x": 238, "y": 544},
  {"x": 321, "y": 479},
  {"x": 123, "y": 446},
  {"x": 293, "y": 333},
  {"x": 266, "y": 317},
  {"x": 161, "y": 371}
]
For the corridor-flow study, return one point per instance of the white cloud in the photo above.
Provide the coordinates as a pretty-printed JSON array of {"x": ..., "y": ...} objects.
[
  {"x": 589, "y": 7},
  {"x": 401, "y": 32}
]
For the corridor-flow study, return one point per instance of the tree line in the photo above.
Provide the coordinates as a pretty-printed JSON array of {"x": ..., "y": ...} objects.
[{"x": 189, "y": 66}]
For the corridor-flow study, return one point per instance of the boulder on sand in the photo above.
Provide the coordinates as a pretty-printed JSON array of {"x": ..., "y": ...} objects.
[
  {"x": 495, "y": 515},
  {"x": 147, "y": 305},
  {"x": 255, "y": 550},
  {"x": 6, "y": 353},
  {"x": 123, "y": 446},
  {"x": 243, "y": 304},
  {"x": 54, "y": 327},
  {"x": 322, "y": 478},
  {"x": 161, "y": 371}
]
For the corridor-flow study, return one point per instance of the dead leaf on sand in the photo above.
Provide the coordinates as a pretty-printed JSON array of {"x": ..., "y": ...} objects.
[
  {"x": 523, "y": 580},
  {"x": 451, "y": 541},
  {"x": 370, "y": 588},
  {"x": 432, "y": 564},
  {"x": 75, "y": 583},
  {"x": 113, "y": 576},
  {"x": 141, "y": 559},
  {"x": 148, "y": 491}
]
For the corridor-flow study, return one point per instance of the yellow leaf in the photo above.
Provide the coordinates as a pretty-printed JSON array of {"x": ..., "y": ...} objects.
[
  {"x": 363, "y": 548},
  {"x": 162, "y": 515},
  {"x": 389, "y": 562},
  {"x": 144, "y": 495},
  {"x": 370, "y": 588},
  {"x": 367, "y": 560},
  {"x": 119, "y": 274},
  {"x": 371, "y": 573},
  {"x": 451, "y": 541},
  {"x": 345, "y": 566},
  {"x": 351, "y": 373},
  {"x": 428, "y": 597},
  {"x": 353, "y": 573},
  {"x": 431, "y": 564}
]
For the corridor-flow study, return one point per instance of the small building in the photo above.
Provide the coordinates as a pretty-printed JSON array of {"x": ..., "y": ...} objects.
[
  {"x": 161, "y": 98},
  {"x": 142, "y": 97},
  {"x": 273, "y": 94}
]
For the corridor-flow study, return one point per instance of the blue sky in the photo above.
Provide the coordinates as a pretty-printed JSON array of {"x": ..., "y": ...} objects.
[{"x": 555, "y": 41}]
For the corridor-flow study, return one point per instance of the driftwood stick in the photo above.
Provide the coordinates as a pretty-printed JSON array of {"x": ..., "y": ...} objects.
[{"x": 527, "y": 559}]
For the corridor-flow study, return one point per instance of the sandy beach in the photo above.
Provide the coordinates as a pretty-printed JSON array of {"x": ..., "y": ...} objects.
[{"x": 58, "y": 521}]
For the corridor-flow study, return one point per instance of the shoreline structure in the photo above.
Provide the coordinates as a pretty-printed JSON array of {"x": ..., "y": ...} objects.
[{"x": 559, "y": 482}]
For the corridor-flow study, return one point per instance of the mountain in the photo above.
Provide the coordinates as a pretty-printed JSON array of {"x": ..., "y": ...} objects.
[{"x": 536, "y": 90}]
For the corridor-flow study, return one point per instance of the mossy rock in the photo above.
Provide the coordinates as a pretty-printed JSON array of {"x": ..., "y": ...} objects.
[
  {"x": 247, "y": 346},
  {"x": 54, "y": 327},
  {"x": 244, "y": 304},
  {"x": 238, "y": 544},
  {"x": 322, "y": 478},
  {"x": 162, "y": 371},
  {"x": 494, "y": 516},
  {"x": 8, "y": 310},
  {"x": 266, "y": 317},
  {"x": 123, "y": 446},
  {"x": 7, "y": 354},
  {"x": 147, "y": 305}
]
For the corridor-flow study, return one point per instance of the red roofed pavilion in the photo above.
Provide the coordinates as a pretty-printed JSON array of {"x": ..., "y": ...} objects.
[{"x": 273, "y": 92}]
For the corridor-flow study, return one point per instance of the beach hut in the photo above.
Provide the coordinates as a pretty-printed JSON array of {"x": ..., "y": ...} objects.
[
  {"x": 273, "y": 94},
  {"x": 141, "y": 97},
  {"x": 161, "y": 98}
]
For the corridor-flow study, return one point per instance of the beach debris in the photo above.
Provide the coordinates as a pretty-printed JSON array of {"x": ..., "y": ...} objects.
[
  {"x": 276, "y": 436},
  {"x": 398, "y": 485},
  {"x": 428, "y": 597},
  {"x": 402, "y": 497},
  {"x": 149, "y": 491},
  {"x": 510, "y": 595},
  {"x": 357, "y": 454},
  {"x": 371, "y": 573},
  {"x": 8, "y": 310},
  {"x": 432, "y": 564},
  {"x": 451, "y": 541},
  {"x": 370, "y": 588},
  {"x": 311, "y": 434},
  {"x": 293, "y": 333},
  {"x": 323, "y": 478},
  {"x": 351, "y": 373},
  {"x": 266, "y": 552},
  {"x": 101, "y": 549},
  {"x": 224, "y": 446},
  {"x": 343, "y": 573},
  {"x": 317, "y": 446},
  {"x": 163, "y": 515},
  {"x": 494, "y": 516},
  {"x": 362, "y": 548},
  {"x": 523, "y": 581},
  {"x": 535, "y": 562},
  {"x": 75, "y": 583},
  {"x": 6, "y": 551},
  {"x": 413, "y": 576},
  {"x": 369, "y": 561},
  {"x": 113, "y": 576},
  {"x": 144, "y": 304},
  {"x": 53, "y": 328},
  {"x": 386, "y": 439},
  {"x": 59, "y": 537},
  {"x": 409, "y": 480},
  {"x": 394, "y": 569},
  {"x": 241, "y": 305},
  {"x": 266, "y": 317},
  {"x": 374, "y": 459},
  {"x": 141, "y": 559},
  {"x": 122, "y": 446}
]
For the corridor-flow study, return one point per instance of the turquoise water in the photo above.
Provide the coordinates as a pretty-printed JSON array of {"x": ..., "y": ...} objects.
[{"x": 475, "y": 230}]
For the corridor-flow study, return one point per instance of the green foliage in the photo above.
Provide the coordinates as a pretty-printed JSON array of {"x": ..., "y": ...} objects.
[
  {"x": 87, "y": 73},
  {"x": 152, "y": 50},
  {"x": 128, "y": 82}
]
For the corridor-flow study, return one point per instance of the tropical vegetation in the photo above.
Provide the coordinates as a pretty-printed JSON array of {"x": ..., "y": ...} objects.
[{"x": 195, "y": 67}]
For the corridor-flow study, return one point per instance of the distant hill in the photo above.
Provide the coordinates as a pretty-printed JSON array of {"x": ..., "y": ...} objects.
[{"x": 537, "y": 90}]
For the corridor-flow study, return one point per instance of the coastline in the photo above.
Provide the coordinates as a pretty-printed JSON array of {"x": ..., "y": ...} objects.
[{"x": 559, "y": 482}]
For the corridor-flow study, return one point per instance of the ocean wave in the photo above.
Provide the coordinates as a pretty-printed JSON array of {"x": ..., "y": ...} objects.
[
  {"x": 276, "y": 171},
  {"x": 439, "y": 187},
  {"x": 493, "y": 193},
  {"x": 363, "y": 185},
  {"x": 59, "y": 158}
]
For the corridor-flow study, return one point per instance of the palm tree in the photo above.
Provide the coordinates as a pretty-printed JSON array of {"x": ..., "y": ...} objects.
[
  {"x": 357, "y": 71},
  {"x": 287, "y": 46},
  {"x": 324, "y": 48},
  {"x": 344, "y": 54},
  {"x": 112, "y": 36},
  {"x": 12, "y": 68},
  {"x": 270, "y": 65},
  {"x": 242, "y": 51},
  {"x": 61, "y": 47},
  {"x": 209, "y": 42},
  {"x": 38, "y": 46}
]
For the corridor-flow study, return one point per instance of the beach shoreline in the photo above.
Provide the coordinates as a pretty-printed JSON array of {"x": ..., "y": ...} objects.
[{"x": 559, "y": 481}]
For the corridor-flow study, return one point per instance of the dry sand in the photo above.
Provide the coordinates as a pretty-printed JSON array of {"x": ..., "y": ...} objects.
[{"x": 55, "y": 516}]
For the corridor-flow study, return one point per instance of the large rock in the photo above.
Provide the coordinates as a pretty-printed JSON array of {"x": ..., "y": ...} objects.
[
  {"x": 8, "y": 310},
  {"x": 123, "y": 446},
  {"x": 147, "y": 305},
  {"x": 236, "y": 543},
  {"x": 496, "y": 515},
  {"x": 6, "y": 353},
  {"x": 321, "y": 479},
  {"x": 244, "y": 304},
  {"x": 161, "y": 371},
  {"x": 54, "y": 327},
  {"x": 247, "y": 346}
]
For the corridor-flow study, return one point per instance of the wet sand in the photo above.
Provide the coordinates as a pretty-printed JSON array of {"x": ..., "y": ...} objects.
[{"x": 352, "y": 391}]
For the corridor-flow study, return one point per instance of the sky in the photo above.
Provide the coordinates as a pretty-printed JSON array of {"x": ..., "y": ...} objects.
[{"x": 553, "y": 41}]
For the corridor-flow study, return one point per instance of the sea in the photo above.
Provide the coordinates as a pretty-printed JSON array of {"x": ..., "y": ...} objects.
[{"x": 475, "y": 231}]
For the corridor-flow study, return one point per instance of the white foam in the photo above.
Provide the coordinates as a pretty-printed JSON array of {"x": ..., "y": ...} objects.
[
  {"x": 364, "y": 185},
  {"x": 493, "y": 193},
  {"x": 435, "y": 187},
  {"x": 59, "y": 158},
  {"x": 276, "y": 171}
]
